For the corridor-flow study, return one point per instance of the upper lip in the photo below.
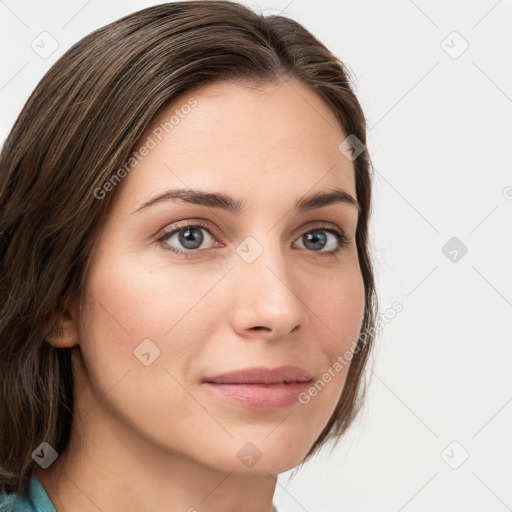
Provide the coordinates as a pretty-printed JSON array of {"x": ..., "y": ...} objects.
[{"x": 262, "y": 375}]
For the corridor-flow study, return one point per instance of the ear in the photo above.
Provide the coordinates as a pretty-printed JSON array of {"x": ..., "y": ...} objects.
[{"x": 63, "y": 331}]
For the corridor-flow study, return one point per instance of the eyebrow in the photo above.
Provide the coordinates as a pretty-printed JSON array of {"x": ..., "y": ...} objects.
[{"x": 227, "y": 203}]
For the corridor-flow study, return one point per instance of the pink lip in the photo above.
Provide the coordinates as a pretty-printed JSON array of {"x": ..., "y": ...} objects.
[
  {"x": 261, "y": 375},
  {"x": 261, "y": 388}
]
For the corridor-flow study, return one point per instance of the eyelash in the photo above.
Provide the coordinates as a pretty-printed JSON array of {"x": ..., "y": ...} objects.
[{"x": 343, "y": 240}]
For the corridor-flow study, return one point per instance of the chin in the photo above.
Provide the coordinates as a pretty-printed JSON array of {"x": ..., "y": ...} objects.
[{"x": 269, "y": 455}]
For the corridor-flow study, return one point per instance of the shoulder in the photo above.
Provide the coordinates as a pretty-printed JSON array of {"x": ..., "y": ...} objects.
[
  {"x": 32, "y": 499},
  {"x": 14, "y": 503}
]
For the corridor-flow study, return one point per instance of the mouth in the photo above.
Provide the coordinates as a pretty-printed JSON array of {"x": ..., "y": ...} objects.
[
  {"x": 262, "y": 375},
  {"x": 260, "y": 388}
]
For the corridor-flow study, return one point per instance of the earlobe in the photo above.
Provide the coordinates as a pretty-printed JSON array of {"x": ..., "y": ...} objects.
[{"x": 63, "y": 332}]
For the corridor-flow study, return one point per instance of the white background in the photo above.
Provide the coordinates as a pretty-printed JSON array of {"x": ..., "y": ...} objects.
[{"x": 440, "y": 137}]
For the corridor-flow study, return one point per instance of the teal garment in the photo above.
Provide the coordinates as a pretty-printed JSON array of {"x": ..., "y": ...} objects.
[{"x": 34, "y": 499}]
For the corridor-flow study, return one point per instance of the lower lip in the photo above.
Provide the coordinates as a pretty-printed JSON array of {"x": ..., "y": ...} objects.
[{"x": 261, "y": 397}]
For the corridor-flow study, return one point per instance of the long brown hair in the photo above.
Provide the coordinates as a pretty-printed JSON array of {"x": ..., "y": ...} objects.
[{"x": 78, "y": 127}]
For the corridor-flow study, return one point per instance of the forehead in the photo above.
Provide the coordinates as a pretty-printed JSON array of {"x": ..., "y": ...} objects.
[{"x": 261, "y": 143}]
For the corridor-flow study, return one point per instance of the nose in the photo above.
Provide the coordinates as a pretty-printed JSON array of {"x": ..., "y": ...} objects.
[{"x": 267, "y": 298}]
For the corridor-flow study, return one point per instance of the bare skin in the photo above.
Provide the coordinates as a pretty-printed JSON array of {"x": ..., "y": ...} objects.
[{"x": 153, "y": 437}]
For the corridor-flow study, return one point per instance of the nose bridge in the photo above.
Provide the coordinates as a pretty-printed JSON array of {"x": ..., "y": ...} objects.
[{"x": 261, "y": 257}]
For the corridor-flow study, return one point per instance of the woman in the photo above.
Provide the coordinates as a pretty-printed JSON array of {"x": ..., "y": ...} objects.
[{"x": 187, "y": 297}]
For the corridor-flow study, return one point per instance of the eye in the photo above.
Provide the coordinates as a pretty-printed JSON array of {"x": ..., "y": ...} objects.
[
  {"x": 189, "y": 236},
  {"x": 316, "y": 239}
]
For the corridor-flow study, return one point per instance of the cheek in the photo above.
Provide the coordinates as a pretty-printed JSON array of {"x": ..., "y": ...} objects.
[
  {"x": 131, "y": 301},
  {"x": 340, "y": 307},
  {"x": 140, "y": 311},
  {"x": 338, "y": 312},
  {"x": 132, "y": 307}
]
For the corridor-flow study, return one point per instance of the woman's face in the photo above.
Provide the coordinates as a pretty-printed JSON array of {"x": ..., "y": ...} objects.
[{"x": 264, "y": 285}]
